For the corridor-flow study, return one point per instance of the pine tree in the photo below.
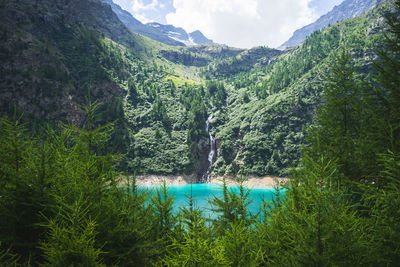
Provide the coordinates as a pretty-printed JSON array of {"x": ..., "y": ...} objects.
[
  {"x": 384, "y": 212},
  {"x": 315, "y": 225},
  {"x": 164, "y": 220},
  {"x": 337, "y": 125},
  {"x": 21, "y": 193},
  {"x": 225, "y": 207},
  {"x": 70, "y": 240},
  {"x": 7, "y": 258},
  {"x": 382, "y": 197},
  {"x": 239, "y": 246},
  {"x": 196, "y": 248},
  {"x": 232, "y": 208},
  {"x": 386, "y": 98}
]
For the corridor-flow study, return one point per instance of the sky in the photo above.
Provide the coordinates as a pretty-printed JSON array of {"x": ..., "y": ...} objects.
[{"x": 237, "y": 23}]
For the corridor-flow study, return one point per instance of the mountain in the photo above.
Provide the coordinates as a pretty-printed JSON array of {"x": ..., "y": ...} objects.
[
  {"x": 179, "y": 34},
  {"x": 268, "y": 109},
  {"x": 136, "y": 26},
  {"x": 198, "y": 38},
  {"x": 54, "y": 55},
  {"x": 67, "y": 199},
  {"x": 167, "y": 34},
  {"x": 347, "y": 9},
  {"x": 57, "y": 55},
  {"x": 51, "y": 53},
  {"x": 199, "y": 55},
  {"x": 247, "y": 60}
]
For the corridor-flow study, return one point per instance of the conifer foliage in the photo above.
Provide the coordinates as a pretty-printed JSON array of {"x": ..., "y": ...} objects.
[{"x": 63, "y": 203}]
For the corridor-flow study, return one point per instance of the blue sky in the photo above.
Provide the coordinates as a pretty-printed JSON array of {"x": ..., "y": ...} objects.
[{"x": 238, "y": 23}]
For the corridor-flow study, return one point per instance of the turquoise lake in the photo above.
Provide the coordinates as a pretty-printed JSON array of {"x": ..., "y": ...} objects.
[{"x": 203, "y": 192}]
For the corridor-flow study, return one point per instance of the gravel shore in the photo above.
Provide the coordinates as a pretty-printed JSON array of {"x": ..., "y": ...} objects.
[{"x": 188, "y": 179}]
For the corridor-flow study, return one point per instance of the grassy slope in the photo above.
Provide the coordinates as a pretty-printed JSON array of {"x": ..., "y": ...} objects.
[
  {"x": 264, "y": 135},
  {"x": 51, "y": 57}
]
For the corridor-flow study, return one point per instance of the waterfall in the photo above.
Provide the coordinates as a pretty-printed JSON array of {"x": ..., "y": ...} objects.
[{"x": 206, "y": 176}]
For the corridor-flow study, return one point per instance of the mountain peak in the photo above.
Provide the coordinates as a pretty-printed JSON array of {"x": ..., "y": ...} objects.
[
  {"x": 167, "y": 34},
  {"x": 346, "y": 10},
  {"x": 199, "y": 38}
]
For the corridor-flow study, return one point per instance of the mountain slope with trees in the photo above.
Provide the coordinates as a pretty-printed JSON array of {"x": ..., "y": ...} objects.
[
  {"x": 263, "y": 127},
  {"x": 166, "y": 34},
  {"x": 61, "y": 199},
  {"x": 346, "y": 10},
  {"x": 261, "y": 99},
  {"x": 61, "y": 203},
  {"x": 57, "y": 55}
]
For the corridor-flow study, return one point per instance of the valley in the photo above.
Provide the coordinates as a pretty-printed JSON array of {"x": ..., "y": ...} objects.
[
  {"x": 125, "y": 143},
  {"x": 261, "y": 99}
]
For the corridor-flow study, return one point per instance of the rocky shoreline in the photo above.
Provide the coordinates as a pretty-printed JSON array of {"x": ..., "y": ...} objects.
[{"x": 190, "y": 179}]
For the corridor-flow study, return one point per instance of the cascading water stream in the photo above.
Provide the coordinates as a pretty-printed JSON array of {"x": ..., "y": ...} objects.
[{"x": 211, "y": 154}]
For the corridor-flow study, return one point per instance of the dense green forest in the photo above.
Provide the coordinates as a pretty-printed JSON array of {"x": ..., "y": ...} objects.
[
  {"x": 270, "y": 107},
  {"x": 61, "y": 203},
  {"x": 160, "y": 97}
]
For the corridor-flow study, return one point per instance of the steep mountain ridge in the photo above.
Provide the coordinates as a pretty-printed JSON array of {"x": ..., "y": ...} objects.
[
  {"x": 245, "y": 61},
  {"x": 179, "y": 34},
  {"x": 347, "y": 9},
  {"x": 50, "y": 54},
  {"x": 268, "y": 109},
  {"x": 167, "y": 34},
  {"x": 136, "y": 26},
  {"x": 199, "y": 55},
  {"x": 198, "y": 37},
  {"x": 56, "y": 53}
]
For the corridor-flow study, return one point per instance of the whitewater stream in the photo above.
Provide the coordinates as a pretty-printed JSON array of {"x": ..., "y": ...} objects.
[{"x": 211, "y": 154}]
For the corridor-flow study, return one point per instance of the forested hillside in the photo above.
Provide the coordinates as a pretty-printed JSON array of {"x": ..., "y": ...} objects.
[
  {"x": 269, "y": 107},
  {"x": 57, "y": 55},
  {"x": 345, "y": 10},
  {"x": 84, "y": 101}
]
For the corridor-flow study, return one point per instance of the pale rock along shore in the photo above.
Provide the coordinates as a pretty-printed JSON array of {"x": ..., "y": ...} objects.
[{"x": 189, "y": 179}]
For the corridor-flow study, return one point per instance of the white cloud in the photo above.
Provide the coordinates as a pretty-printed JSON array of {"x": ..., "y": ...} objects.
[
  {"x": 142, "y": 17},
  {"x": 243, "y": 23},
  {"x": 140, "y": 9},
  {"x": 139, "y": 5}
]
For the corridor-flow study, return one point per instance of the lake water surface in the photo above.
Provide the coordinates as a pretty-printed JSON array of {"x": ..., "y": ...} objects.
[{"x": 203, "y": 192}]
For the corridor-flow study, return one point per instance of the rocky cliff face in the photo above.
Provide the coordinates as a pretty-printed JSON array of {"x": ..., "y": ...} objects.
[
  {"x": 215, "y": 51},
  {"x": 200, "y": 157},
  {"x": 180, "y": 35},
  {"x": 174, "y": 33},
  {"x": 185, "y": 58},
  {"x": 200, "y": 55},
  {"x": 136, "y": 26},
  {"x": 198, "y": 38},
  {"x": 50, "y": 53},
  {"x": 346, "y": 10},
  {"x": 245, "y": 61},
  {"x": 167, "y": 34}
]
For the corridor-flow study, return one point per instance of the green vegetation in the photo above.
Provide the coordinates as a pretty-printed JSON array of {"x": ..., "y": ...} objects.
[
  {"x": 270, "y": 107},
  {"x": 146, "y": 99},
  {"x": 61, "y": 202},
  {"x": 262, "y": 100}
]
